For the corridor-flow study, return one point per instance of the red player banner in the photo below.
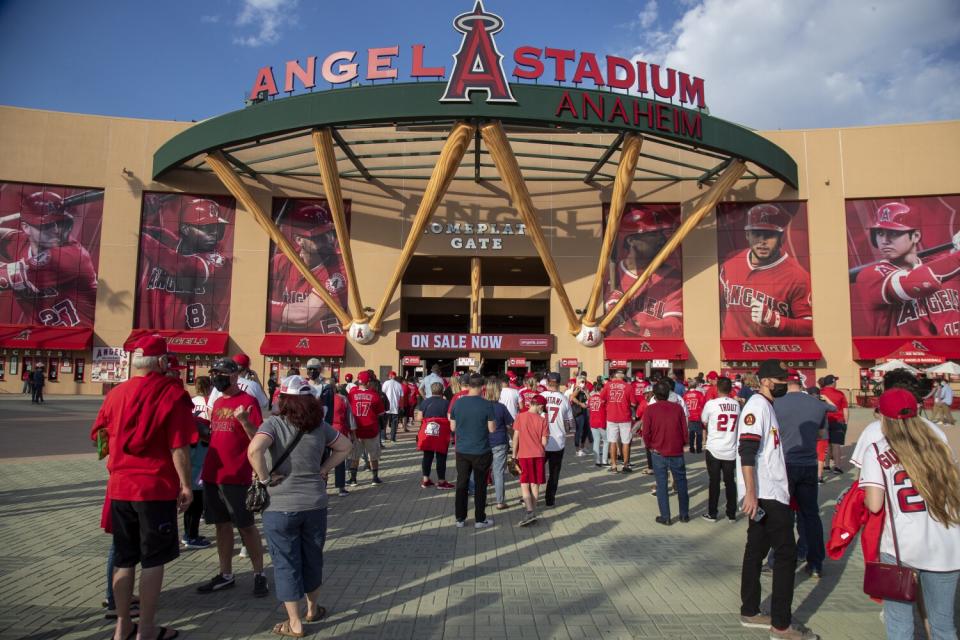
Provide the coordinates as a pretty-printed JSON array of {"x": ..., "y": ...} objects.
[
  {"x": 186, "y": 262},
  {"x": 904, "y": 267},
  {"x": 49, "y": 254},
  {"x": 657, "y": 308},
  {"x": 763, "y": 251},
  {"x": 294, "y": 306}
]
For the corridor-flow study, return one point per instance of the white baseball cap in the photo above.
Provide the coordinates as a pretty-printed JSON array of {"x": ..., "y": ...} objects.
[
  {"x": 295, "y": 386},
  {"x": 313, "y": 363}
]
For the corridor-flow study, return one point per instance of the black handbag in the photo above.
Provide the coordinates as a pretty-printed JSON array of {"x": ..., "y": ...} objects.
[
  {"x": 258, "y": 499},
  {"x": 890, "y": 581}
]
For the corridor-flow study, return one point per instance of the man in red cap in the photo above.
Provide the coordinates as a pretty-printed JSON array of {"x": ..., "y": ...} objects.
[
  {"x": 184, "y": 278},
  {"x": 148, "y": 423},
  {"x": 51, "y": 275},
  {"x": 366, "y": 406},
  {"x": 348, "y": 382},
  {"x": 247, "y": 382},
  {"x": 294, "y": 305},
  {"x": 710, "y": 387}
]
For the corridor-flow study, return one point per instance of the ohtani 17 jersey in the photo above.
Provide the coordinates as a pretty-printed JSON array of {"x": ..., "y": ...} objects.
[
  {"x": 288, "y": 286},
  {"x": 56, "y": 287},
  {"x": 783, "y": 286},
  {"x": 914, "y": 302},
  {"x": 168, "y": 302},
  {"x": 657, "y": 309}
]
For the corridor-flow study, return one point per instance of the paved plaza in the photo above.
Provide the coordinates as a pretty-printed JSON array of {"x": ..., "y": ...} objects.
[{"x": 595, "y": 566}]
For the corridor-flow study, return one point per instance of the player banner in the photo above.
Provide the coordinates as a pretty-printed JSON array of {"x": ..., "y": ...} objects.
[
  {"x": 49, "y": 254},
  {"x": 904, "y": 266},
  {"x": 294, "y": 306},
  {"x": 657, "y": 308},
  {"x": 764, "y": 256},
  {"x": 186, "y": 262}
]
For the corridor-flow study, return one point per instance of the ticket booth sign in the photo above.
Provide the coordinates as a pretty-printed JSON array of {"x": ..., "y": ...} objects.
[
  {"x": 516, "y": 362},
  {"x": 570, "y": 363},
  {"x": 411, "y": 361},
  {"x": 466, "y": 362},
  {"x": 618, "y": 364},
  {"x": 660, "y": 364}
]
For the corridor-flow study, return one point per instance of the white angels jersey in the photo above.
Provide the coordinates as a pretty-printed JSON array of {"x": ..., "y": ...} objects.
[
  {"x": 720, "y": 416},
  {"x": 925, "y": 544},
  {"x": 557, "y": 412},
  {"x": 758, "y": 422}
]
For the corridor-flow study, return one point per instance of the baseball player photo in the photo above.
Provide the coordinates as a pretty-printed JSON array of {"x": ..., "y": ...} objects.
[
  {"x": 294, "y": 306},
  {"x": 905, "y": 258},
  {"x": 186, "y": 261},
  {"x": 764, "y": 286},
  {"x": 49, "y": 252},
  {"x": 657, "y": 308}
]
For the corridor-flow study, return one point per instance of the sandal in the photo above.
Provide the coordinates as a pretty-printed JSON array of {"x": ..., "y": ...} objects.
[
  {"x": 283, "y": 629},
  {"x": 162, "y": 635},
  {"x": 132, "y": 635},
  {"x": 320, "y": 615}
]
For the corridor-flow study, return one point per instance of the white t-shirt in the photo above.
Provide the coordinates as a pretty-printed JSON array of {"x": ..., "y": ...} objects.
[
  {"x": 720, "y": 416},
  {"x": 200, "y": 408},
  {"x": 248, "y": 385},
  {"x": 925, "y": 544},
  {"x": 557, "y": 412},
  {"x": 510, "y": 398},
  {"x": 758, "y": 421},
  {"x": 676, "y": 400},
  {"x": 394, "y": 392}
]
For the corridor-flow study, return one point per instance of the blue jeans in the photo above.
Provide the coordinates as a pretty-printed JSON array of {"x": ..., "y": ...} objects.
[
  {"x": 804, "y": 489},
  {"x": 583, "y": 430},
  {"x": 296, "y": 540},
  {"x": 499, "y": 469},
  {"x": 600, "y": 450},
  {"x": 939, "y": 591},
  {"x": 392, "y": 420},
  {"x": 340, "y": 475},
  {"x": 676, "y": 466}
]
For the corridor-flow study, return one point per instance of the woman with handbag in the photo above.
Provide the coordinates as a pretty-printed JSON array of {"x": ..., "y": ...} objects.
[
  {"x": 295, "y": 505},
  {"x": 912, "y": 474}
]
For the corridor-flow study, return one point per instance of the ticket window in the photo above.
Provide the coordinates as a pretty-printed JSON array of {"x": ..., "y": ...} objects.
[
  {"x": 27, "y": 367},
  {"x": 78, "y": 367},
  {"x": 3, "y": 367},
  {"x": 53, "y": 369},
  {"x": 191, "y": 371}
]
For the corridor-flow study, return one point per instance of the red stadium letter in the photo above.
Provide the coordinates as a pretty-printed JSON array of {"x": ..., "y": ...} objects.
[
  {"x": 527, "y": 57},
  {"x": 264, "y": 82}
]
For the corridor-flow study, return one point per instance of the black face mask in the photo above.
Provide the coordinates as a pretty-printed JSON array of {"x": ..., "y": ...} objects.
[
  {"x": 220, "y": 382},
  {"x": 313, "y": 373},
  {"x": 779, "y": 389}
]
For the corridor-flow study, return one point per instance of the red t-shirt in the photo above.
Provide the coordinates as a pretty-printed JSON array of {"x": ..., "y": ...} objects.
[
  {"x": 710, "y": 392},
  {"x": 598, "y": 414},
  {"x": 525, "y": 395},
  {"x": 367, "y": 407},
  {"x": 226, "y": 461},
  {"x": 341, "y": 421},
  {"x": 454, "y": 399},
  {"x": 412, "y": 393},
  {"x": 531, "y": 428},
  {"x": 694, "y": 401},
  {"x": 150, "y": 476},
  {"x": 837, "y": 399},
  {"x": 618, "y": 400}
]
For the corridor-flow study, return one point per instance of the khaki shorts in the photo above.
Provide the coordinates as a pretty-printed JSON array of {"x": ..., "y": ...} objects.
[
  {"x": 620, "y": 432},
  {"x": 370, "y": 446}
]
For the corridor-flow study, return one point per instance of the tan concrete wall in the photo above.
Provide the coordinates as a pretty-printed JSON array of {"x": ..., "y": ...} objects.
[{"x": 91, "y": 151}]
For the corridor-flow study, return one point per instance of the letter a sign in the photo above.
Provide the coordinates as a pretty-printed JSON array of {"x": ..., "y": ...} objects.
[{"x": 478, "y": 65}]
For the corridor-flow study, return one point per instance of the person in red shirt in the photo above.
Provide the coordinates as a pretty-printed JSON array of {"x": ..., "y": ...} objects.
[
  {"x": 529, "y": 390},
  {"x": 412, "y": 395},
  {"x": 694, "y": 400},
  {"x": 464, "y": 390},
  {"x": 618, "y": 401},
  {"x": 227, "y": 474},
  {"x": 598, "y": 426},
  {"x": 710, "y": 388},
  {"x": 343, "y": 423},
  {"x": 148, "y": 424},
  {"x": 366, "y": 406},
  {"x": 530, "y": 434},
  {"x": 664, "y": 434},
  {"x": 836, "y": 420}
]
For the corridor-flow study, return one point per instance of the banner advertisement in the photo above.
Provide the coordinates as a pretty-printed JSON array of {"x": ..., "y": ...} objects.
[
  {"x": 764, "y": 255},
  {"x": 294, "y": 306},
  {"x": 657, "y": 308},
  {"x": 110, "y": 364},
  {"x": 904, "y": 266},
  {"x": 186, "y": 262},
  {"x": 49, "y": 254}
]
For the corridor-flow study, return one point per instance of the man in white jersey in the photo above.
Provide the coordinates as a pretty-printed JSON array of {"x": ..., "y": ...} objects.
[
  {"x": 763, "y": 487},
  {"x": 720, "y": 417},
  {"x": 509, "y": 397},
  {"x": 559, "y": 421},
  {"x": 394, "y": 392}
]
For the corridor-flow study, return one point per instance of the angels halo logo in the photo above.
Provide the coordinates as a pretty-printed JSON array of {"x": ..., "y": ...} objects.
[{"x": 478, "y": 64}]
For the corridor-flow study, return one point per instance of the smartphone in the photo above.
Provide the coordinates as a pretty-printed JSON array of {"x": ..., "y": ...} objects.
[{"x": 759, "y": 515}]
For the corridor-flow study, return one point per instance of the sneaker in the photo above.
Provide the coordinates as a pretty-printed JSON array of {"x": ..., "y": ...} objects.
[
  {"x": 461, "y": 524},
  {"x": 821, "y": 480},
  {"x": 197, "y": 543},
  {"x": 426, "y": 483},
  {"x": 710, "y": 518},
  {"x": 352, "y": 482},
  {"x": 647, "y": 472},
  {"x": 244, "y": 553},
  {"x": 614, "y": 470},
  {"x": 597, "y": 464},
  {"x": 684, "y": 518},
  {"x": 529, "y": 518},
  {"x": 759, "y": 621},
  {"x": 217, "y": 583},
  {"x": 731, "y": 518},
  {"x": 665, "y": 521},
  {"x": 837, "y": 470},
  {"x": 653, "y": 491},
  {"x": 813, "y": 572},
  {"x": 342, "y": 493},
  {"x": 377, "y": 481},
  {"x": 580, "y": 453},
  {"x": 793, "y": 632},
  {"x": 260, "y": 588},
  {"x": 627, "y": 468},
  {"x": 443, "y": 484},
  {"x": 486, "y": 524},
  {"x": 766, "y": 569}
]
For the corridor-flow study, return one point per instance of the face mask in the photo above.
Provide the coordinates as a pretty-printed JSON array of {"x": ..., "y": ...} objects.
[
  {"x": 313, "y": 373},
  {"x": 779, "y": 389},
  {"x": 221, "y": 382}
]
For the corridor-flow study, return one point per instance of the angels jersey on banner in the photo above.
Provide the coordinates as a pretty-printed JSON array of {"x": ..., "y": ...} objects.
[
  {"x": 49, "y": 254},
  {"x": 186, "y": 262}
]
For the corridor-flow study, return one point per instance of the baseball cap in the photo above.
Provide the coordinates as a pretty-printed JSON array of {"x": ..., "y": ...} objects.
[
  {"x": 243, "y": 360},
  {"x": 537, "y": 399},
  {"x": 363, "y": 377},
  {"x": 553, "y": 376},
  {"x": 895, "y": 216},
  {"x": 348, "y": 377},
  {"x": 772, "y": 368},
  {"x": 511, "y": 375},
  {"x": 713, "y": 375},
  {"x": 225, "y": 365},
  {"x": 829, "y": 379},
  {"x": 793, "y": 376},
  {"x": 295, "y": 386},
  {"x": 152, "y": 345},
  {"x": 42, "y": 207},
  {"x": 311, "y": 219},
  {"x": 393, "y": 374},
  {"x": 897, "y": 404},
  {"x": 202, "y": 211},
  {"x": 174, "y": 364},
  {"x": 529, "y": 376},
  {"x": 313, "y": 363},
  {"x": 767, "y": 217},
  {"x": 640, "y": 375},
  {"x": 813, "y": 391}
]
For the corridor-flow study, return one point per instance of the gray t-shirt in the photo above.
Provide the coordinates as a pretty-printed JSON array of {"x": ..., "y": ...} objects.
[
  {"x": 801, "y": 416},
  {"x": 303, "y": 488}
]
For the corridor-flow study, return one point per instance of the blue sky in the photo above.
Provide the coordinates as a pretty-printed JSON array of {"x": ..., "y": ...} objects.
[{"x": 767, "y": 63}]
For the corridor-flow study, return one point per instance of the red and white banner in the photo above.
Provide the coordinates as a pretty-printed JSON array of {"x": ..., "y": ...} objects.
[{"x": 487, "y": 342}]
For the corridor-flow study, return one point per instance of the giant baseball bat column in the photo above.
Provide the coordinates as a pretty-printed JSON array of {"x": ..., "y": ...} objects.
[
  {"x": 629, "y": 154},
  {"x": 443, "y": 173},
  {"x": 710, "y": 199},
  {"x": 323, "y": 147},
  {"x": 509, "y": 170},
  {"x": 220, "y": 166},
  {"x": 474, "y": 295}
]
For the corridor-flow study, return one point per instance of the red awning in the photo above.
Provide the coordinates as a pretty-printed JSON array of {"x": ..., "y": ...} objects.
[
  {"x": 761, "y": 348},
  {"x": 304, "y": 344},
  {"x": 644, "y": 349},
  {"x": 917, "y": 350},
  {"x": 23, "y": 336},
  {"x": 207, "y": 342}
]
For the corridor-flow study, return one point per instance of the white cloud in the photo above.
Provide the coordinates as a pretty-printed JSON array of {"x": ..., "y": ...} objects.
[
  {"x": 649, "y": 14},
  {"x": 209, "y": 19},
  {"x": 818, "y": 63},
  {"x": 268, "y": 17}
]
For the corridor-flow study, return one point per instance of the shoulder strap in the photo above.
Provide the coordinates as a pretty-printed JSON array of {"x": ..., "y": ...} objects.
[
  {"x": 886, "y": 494},
  {"x": 286, "y": 454}
]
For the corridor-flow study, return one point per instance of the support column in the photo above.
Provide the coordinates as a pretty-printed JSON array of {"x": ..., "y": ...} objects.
[
  {"x": 323, "y": 147},
  {"x": 509, "y": 170},
  {"x": 447, "y": 165},
  {"x": 235, "y": 186},
  {"x": 720, "y": 188},
  {"x": 474, "y": 295},
  {"x": 629, "y": 154}
]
